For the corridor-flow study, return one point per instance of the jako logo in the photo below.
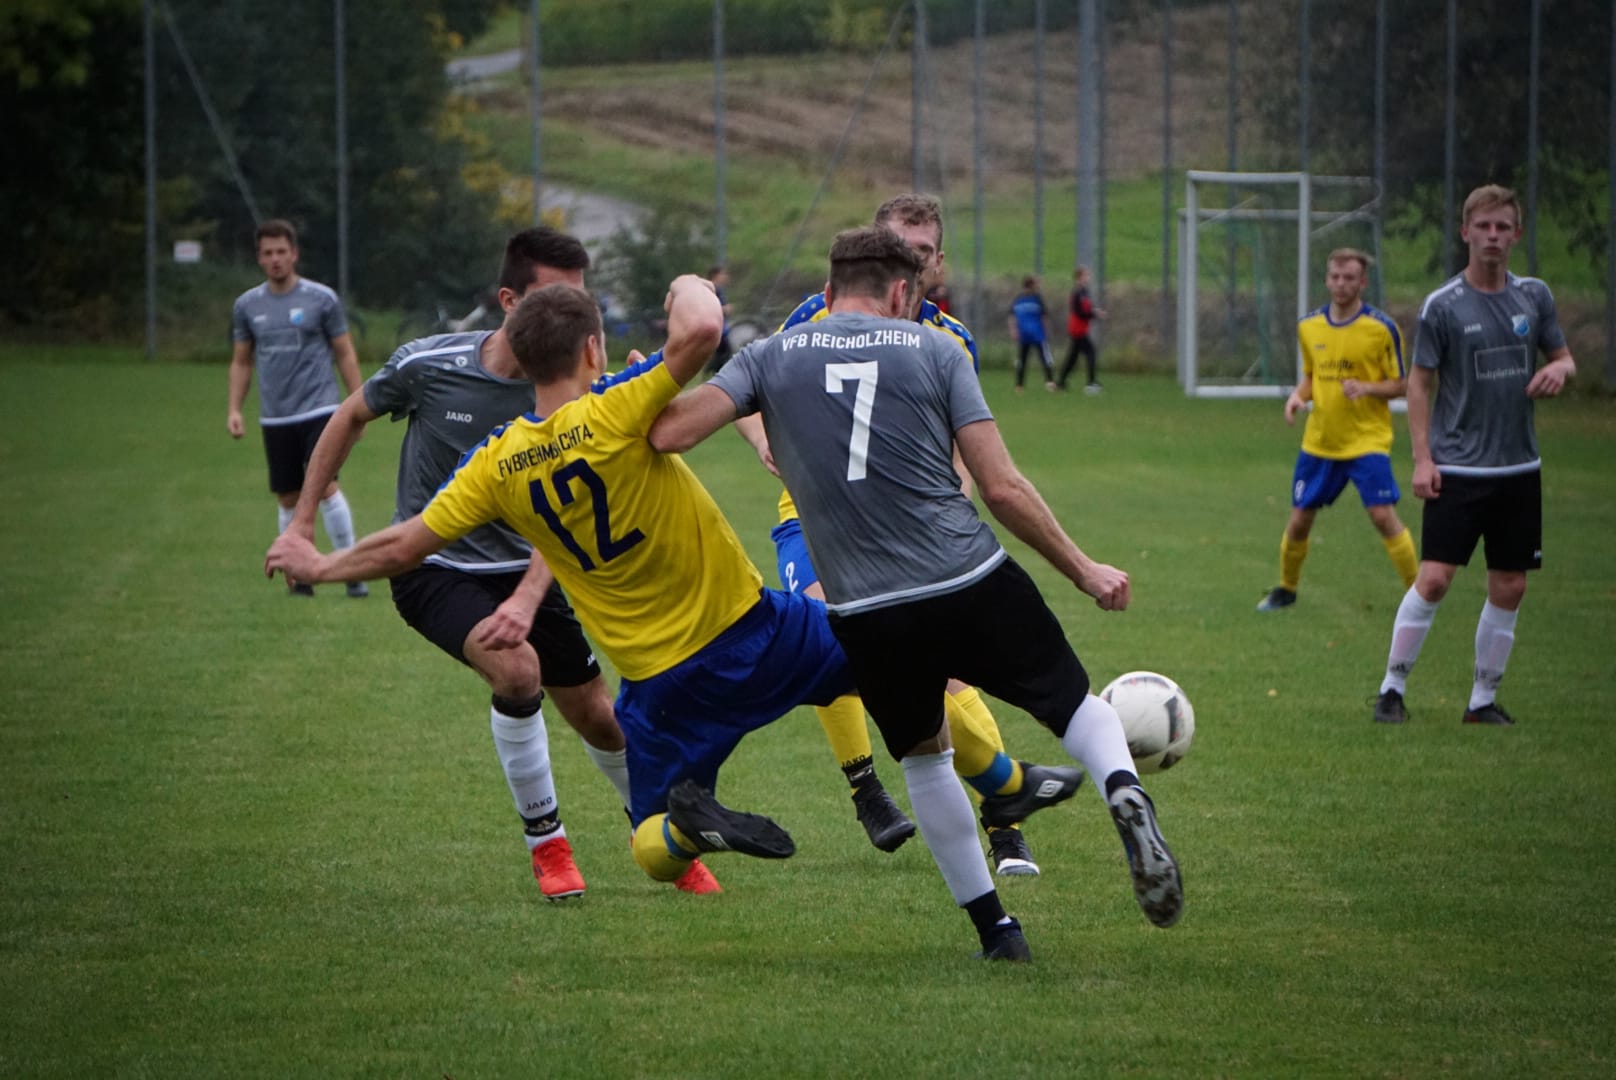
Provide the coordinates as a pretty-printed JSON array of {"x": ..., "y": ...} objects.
[{"x": 458, "y": 417}]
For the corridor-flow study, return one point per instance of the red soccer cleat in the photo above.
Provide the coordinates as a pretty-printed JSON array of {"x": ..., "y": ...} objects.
[
  {"x": 558, "y": 875},
  {"x": 698, "y": 880}
]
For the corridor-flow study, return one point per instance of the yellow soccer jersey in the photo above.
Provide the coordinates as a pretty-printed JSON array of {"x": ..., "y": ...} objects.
[
  {"x": 813, "y": 309},
  {"x": 1366, "y": 347},
  {"x": 651, "y": 566}
]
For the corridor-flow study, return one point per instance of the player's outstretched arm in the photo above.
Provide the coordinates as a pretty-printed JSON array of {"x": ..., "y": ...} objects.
[
  {"x": 387, "y": 553},
  {"x": 336, "y": 442},
  {"x": 508, "y": 626},
  {"x": 241, "y": 367},
  {"x": 1013, "y": 501},
  {"x": 695, "y": 326},
  {"x": 690, "y": 418}
]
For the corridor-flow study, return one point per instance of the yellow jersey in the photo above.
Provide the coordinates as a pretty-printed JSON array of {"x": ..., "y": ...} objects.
[
  {"x": 1366, "y": 347},
  {"x": 813, "y": 309},
  {"x": 648, "y": 560}
]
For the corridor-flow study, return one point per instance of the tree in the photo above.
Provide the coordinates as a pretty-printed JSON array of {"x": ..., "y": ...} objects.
[{"x": 1492, "y": 95}]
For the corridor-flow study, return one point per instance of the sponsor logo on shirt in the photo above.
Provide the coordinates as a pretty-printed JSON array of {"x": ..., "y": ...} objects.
[{"x": 1472, "y": 328}]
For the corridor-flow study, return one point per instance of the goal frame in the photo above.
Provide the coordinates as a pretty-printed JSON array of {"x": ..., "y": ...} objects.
[{"x": 1307, "y": 221}]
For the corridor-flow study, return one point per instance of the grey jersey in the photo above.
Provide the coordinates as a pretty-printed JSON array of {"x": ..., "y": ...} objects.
[
  {"x": 861, "y": 413},
  {"x": 291, "y": 336},
  {"x": 1484, "y": 347},
  {"x": 452, "y": 402}
]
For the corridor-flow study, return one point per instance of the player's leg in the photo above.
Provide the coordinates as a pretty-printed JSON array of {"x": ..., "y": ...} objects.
[
  {"x": 1019, "y": 652},
  {"x": 1049, "y": 365},
  {"x": 843, "y": 719},
  {"x": 1513, "y": 545},
  {"x": 1093, "y": 363},
  {"x": 284, "y": 452},
  {"x": 444, "y": 606},
  {"x": 1449, "y": 530},
  {"x": 1072, "y": 352},
  {"x": 1377, "y": 488},
  {"x": 987, "y": 770},
  {"x": 899, "y": 673},
  {"x": 1315, "y": 483},
  {"x": 1021, "y": 364}
]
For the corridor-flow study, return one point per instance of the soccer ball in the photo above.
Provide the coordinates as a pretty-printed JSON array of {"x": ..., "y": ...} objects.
[{"x": 1157, "y": 718}]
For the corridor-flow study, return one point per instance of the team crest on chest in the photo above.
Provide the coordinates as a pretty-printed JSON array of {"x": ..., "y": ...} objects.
[
  {"x": 296, "y": 316},
  {"x": 1522, "y": 325}
]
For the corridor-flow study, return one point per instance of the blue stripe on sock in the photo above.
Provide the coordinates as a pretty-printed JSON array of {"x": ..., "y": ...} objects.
[
  {"x": 988, "y": 782},
  {"x": 674, "y": 848}
]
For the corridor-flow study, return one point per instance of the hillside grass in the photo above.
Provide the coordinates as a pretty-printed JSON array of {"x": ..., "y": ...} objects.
[{"x": 250, "y": 835}]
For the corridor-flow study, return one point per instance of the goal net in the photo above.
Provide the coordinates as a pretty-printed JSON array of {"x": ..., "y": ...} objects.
[{"x": 1253, "y": 249}]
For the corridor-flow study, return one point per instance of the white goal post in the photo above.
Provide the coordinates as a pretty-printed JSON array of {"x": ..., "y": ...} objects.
[{"x": 1252, "y": 248}]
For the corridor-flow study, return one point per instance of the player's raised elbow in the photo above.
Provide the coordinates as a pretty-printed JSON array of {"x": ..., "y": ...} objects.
[{"x": 671, "y": 434}]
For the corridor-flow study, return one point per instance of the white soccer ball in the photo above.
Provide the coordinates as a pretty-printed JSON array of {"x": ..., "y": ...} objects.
[{"x": 1157, "y": 719}]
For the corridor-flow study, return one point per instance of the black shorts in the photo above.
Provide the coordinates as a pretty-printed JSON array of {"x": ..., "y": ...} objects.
[
  {"x": 1506, "y": 512},
  {"x": 997, "y": 635},
  {"x": 288, "y": 448},
  {"x": 443, "y": 605}
]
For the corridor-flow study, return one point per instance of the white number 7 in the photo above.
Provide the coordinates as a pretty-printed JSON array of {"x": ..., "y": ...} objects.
[{"x": 865, "y": 374}]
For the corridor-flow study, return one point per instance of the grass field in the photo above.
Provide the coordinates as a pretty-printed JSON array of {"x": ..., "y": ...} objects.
[{"x": 247, "y": 835}]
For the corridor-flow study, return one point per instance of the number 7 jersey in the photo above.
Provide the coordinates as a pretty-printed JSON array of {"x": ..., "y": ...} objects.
[
  {"x": 861, "y": 413},
  {"x": 651, "y": 565}
]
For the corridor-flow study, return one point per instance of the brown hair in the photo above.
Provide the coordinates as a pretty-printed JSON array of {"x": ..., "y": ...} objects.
[
  {"x": 912, "y": 208},
  {"x": 275, "y": 227},
  {"x": 1352, "y": 255},
  {"x": 539, "y": 246},
  {"x": 548, "y": 328},
  {"x": 863, "y": 262},
  {"x": 1490, "y": 197}
]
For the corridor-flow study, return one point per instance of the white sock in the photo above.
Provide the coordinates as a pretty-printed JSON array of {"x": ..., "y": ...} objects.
[
  {"x": 283, "y": 518},
  {"x": 523, "y": 746},
  {"x": 1413, "y": 622},
  {"x": 947, "y": 824},
  {"x": 338, "y": 520},
  {"x": 1495, "y": 637},
  {"x": 1095, "y": 739},
  {"x": 613, "y": 764}
]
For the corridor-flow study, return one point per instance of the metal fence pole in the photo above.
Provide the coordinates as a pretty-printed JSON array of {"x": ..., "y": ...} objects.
[
  {"x": 1038, "y": 139},
  {"x": 1531, "y": 136},
  {"x": 977, "y": 159},
  {"x": 340, "y": 48},
  {"x": 1378, "y": 275},
  {"x": 1450, "y": 139},
  {"x": 1232, "y": 193},
  {"x": 721, "y": 224},
  {"x": 1103, "y": 41},
  {"x": 1305, "y": 79},
  {"x": 149, "y": 49},
  {"x": 1088, "y": 129},
  {"x": 533, "y": 107},
  {"x": 1610, "y": 215},
  {"x": 1167, "y": 169},
  {"x": 917, "y": 99}
]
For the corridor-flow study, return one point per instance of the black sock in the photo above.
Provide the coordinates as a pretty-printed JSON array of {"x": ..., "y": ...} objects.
[
  {"x": 986, "y": 912},
  {"x": 860, "y": 772},
  {"x": 1120, "y": 778}
]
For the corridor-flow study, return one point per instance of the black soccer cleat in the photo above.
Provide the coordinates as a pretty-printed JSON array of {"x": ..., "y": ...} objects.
[
  {"x": 1010, "y": 854},
  {"x": 1041, "y": 786},
  {"x": 1490, "y": 713},
  {"x": 299, "y": 588},
  {"x": 886, "y": 825},
  {"x": 712, "y": 826},
  {"x": 1005, "y": 943},
  {"x": 1156, "y": 882},
  {"x": 1389, "y": 709},
  {"x": 1280, "y": 597},
  {"x": 358, "y": 590}
]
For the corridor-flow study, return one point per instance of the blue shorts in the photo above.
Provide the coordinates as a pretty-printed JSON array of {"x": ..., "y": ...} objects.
[
  {"x": 791, "y": 557},
  {"x": 1318, "y": 481},
  {"x": 684, "y": 722}
]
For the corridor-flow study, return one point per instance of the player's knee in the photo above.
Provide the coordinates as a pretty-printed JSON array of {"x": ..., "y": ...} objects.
[
  {"x": 510, "y": 673},
  {"x": 1433, "y": 581},
  {"x": 652, "y": 852},
  {"x": 1506, "y": 590}
]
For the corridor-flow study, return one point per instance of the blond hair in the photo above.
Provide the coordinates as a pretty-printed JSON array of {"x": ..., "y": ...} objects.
[{"x": 1490, "y": 197}]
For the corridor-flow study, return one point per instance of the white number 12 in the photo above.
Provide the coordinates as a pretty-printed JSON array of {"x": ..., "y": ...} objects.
[{"x": 865, "y": 374}]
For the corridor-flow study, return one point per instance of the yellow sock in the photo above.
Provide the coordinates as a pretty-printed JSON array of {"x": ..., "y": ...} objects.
[
  {"x": 1291, "y": 554},
  {"x": 849, "y": 738},
  {"x": 1401, "y": 550},
  {"x": 979, "y": 755},
  {"x": 661, "y": 850}
]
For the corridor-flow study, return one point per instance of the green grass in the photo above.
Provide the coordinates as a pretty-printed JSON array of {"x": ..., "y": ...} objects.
[{"x": 244, "y": 835}]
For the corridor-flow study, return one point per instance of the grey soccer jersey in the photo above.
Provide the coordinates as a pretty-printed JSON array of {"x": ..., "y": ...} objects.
[
  {"x": 291, "y": 335},
  {"x": 451, "y": 402},
  {"x": 861, "y": 413},
  {"x": 1484, "y": 347}
]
